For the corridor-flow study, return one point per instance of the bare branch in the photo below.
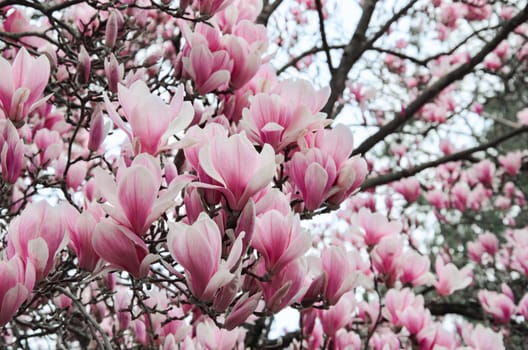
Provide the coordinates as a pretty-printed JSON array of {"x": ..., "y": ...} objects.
[
  {"x": 322, "y": 29},
  {"x": 312, "y": 51}
]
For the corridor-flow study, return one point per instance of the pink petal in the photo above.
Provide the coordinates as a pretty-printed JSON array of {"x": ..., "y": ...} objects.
[{"x": 316, "y": 180}]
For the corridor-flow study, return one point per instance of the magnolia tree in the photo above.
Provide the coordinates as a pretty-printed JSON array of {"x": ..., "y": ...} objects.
[{"x": 165, "y": 165}]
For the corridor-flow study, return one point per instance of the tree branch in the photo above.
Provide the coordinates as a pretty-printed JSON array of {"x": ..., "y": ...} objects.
[
  {"x": 91, "y": 322},
  {"x": 312, "y": 51},
  {"x": 267, "y": 11},
  {"x": 384, "y": 179},
  {"x": 355, "y": 49},
  {"x": 433, "y": 90},
  {"x": 469, "y": 309},
  {"x": 322, "y": 29}
]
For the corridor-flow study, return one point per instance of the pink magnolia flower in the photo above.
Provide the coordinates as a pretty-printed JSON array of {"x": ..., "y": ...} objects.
[
  {"x": 286, "y": 287},
  {"x": 11, "y": 152},
  {"x": 500, "y": 306},
  {"x": 343, "y": 272},
  {"x": 210, "y": 7},
  {"x": 274, "y": 120},
  {"x": 17, "y": 22},
  {"x": 199, "y": 138},
  {"x": 489, "y": 242},
  {"x": 122, "y": 300},
  {"x": 317, "y": 278},
  {"x": 413, "y": 268},
  {"x": 437, "y": 198},
  {"x": 511, "y": 162},
  {"x": 385, "y": 256},
  {"x": 49, "y": 144},
  {"x": 209, "y": 70},
  {"x": 338, "y": 315},
  {"x": 302, "y": 92},
  {"x": 236, "y": 169},
  {"x": 212, "y": 337},
  {"x": 375, "y": 226},
  {"x": 239, "y": 11},
  {"x": 434, "y": 113},
  {"x": 386, "y": 340},
  {"x": 18, "y": 280},
  {"x": 347, "y": 340},
  {"x": 81, "y": 228},
  {"x": 450, "y": 13},
  {"x": 409, "y": 188},
  {"x": 323, "y": 173},
  {"x": 198, "y": 249},
  {"x": 415, "y": 318},
  {"x": 484, "y": 171},
  {"x": 435, "y": 337},
  {"x": 279, "y": 239},
  {"x": 451, "y": 279},
  {"x": 477, "y": 13},
  {"x": 246, "y": 61},
  {"x": 313, "y": 174},
  {"x": 151, "y": 122},
  {"x": 362, "y": 94},
  {"x": 36, "y": 236},
  {"x": 133, "y": 199},
  {"x": 240, "y": 312},
  {"x": 112, "y": 28},
  {"x": 482, "y": 338},
  {"x": 22, "y": 85},
  {"x": 475, "y": 251},
  {"x": 254, "y": 34},
  {"x": 459, "y": 195},
  {"x": 398, "y": 303},
  {"x": 122, "y": 248},
  {"x": 273, "y": 199},
  {"x": 76, "y": 174}
]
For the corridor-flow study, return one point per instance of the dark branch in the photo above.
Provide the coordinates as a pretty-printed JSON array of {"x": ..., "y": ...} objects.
[
  {"x": 322, "y": 29},
  {"x": 267, "y": 11}
]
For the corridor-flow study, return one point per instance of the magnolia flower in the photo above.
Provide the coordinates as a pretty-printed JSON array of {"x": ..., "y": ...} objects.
[{"x": 22, "y": 85}]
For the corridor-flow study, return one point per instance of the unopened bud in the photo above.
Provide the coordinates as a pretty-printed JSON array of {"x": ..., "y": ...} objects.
[
  {"x": 114, "y": 72},
  {"x": 84, "y": 65},
  {"x": 97, "y": 130},
  {"x": 112, "y": 27}
]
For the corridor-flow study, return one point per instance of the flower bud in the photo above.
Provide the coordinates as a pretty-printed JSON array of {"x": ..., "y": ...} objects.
[
  {"x": 114, "y": 72},
  {"x": 97, "y": 130},
  {"x": 112, "y": 27},
  {"x": 84, "y": 66}
]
